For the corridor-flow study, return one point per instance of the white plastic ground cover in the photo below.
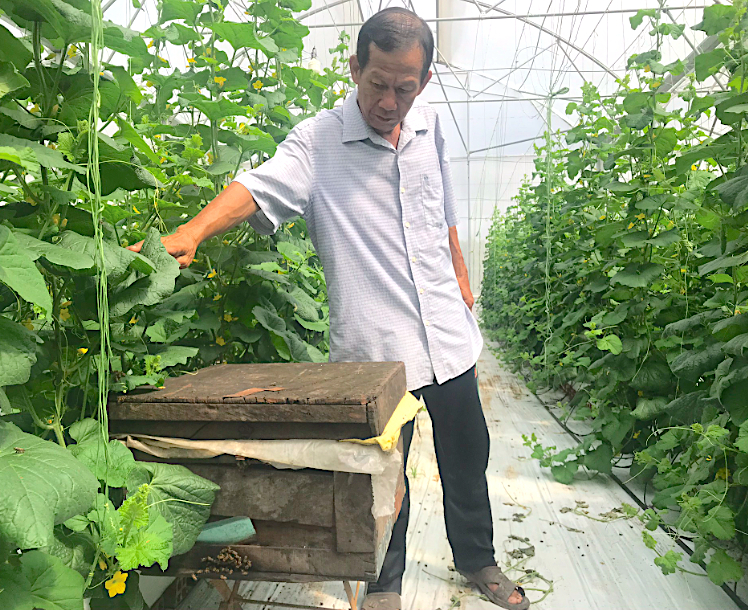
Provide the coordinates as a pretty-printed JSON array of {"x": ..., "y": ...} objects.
[{"x": 384, "y": 467}]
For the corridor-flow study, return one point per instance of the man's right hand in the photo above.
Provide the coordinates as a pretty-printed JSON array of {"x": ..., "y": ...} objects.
[{"x": 182, "y": 245}]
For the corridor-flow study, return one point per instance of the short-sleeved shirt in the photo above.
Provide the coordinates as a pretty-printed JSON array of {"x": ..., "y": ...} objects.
[{"x": 378, "y": 217}]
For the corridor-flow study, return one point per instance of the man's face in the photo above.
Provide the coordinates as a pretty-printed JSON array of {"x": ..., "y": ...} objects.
[{"x": 388, "y": 85}]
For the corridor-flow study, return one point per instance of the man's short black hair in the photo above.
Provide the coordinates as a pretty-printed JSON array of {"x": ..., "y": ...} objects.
[{"x": 395, "y": 29}]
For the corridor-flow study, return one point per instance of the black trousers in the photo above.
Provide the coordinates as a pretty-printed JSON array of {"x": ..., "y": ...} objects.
[{"x": 462, "y": 445}]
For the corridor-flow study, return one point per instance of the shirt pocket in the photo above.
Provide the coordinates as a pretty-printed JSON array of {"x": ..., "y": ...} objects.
[{"x": 432, "y": 199}]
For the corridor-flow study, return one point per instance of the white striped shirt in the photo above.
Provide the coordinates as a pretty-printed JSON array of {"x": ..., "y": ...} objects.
[{"x": 378, "y": 217}]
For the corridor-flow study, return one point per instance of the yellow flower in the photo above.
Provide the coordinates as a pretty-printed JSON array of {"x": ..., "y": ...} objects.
[
  {"x": 221, "y": 341},
  {"x": 64, "y": 314},
  {"x": 290, "y": 226},
  {"x": 631, "y": 224},
  {"x": 257, "y": 84},
  {"x": 102, "y": 564},
  {"x": 116, "y": 584},
  {"x": 217, "y": 297},
  {"x": 641, "y": 216},
  {"x": 28, "y": 324},
  {"x": 208, "y": 50},
  {"x": 723, "y": 473},
  {"x": 149, "y": 83},
  {"x": 683, "y": 270},
  {"x": 133, "y": 320},
  {"x": 163, "y": 160},
  {"x": 602, "y": 217},
  {"x": 34, "y": 108},
  {"x": 82, "y": 351},
  {"x": 656, "y": 84},
  {"x": 191, "y": 60},
  {"x": 637, "y": 433},
  {"x": 227, "y": 317},
  {"x": 136, "y": 210},
  {"x": 647, "y": 69},
  {"x": 220, "y": 80},
  {"x": 72, "y": 51},
  {"x": 194, "y": 260},
  {"x": 212, "y": 274},
  {"x": 162, "y": 59},
  {"x": 55, "y": 219},
  {"x": 693, "y": 167},
  {"x": 150, "y": 44},
  {"x": 647, "y": 175},
  {"x": 640, "y": 393}
]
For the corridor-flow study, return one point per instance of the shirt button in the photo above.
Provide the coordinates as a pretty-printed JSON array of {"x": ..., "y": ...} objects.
[
  {"x": 420, "y": 291},
  {"x": 402, "y": 189},
  {"x": 414, "y": 259},
  {"x": 427, "y": 323},
  {"x": 407, "y": 225}
]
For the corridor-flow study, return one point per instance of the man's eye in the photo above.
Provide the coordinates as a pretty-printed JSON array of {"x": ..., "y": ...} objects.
[{"x": 378, "y": 85}]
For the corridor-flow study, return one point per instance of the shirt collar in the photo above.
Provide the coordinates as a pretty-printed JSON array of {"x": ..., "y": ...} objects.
[{"x": 356, "y": 128}]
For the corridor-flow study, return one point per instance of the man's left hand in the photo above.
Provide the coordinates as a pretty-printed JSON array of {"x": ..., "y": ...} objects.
[{"x": 467, "y": 296}]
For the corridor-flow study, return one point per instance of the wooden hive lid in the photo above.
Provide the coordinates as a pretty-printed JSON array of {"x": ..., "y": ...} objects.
[{"x": 301, "y": 392}]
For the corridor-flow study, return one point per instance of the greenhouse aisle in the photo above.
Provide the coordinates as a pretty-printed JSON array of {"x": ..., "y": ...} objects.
[{"x": 592, "y": 565}]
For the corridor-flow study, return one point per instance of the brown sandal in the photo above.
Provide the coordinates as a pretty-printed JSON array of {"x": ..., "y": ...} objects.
[
  {"x": 500, "y": 597},
  {"x": 382, "y": 601}
]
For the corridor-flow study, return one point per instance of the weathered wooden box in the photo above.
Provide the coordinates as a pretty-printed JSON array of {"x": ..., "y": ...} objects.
[{"x": 311, "y": 524}]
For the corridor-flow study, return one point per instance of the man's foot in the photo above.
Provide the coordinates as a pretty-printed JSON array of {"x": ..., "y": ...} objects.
[
  {"x": 498, "y": 588},
  {"x": 382, "y": 601}
]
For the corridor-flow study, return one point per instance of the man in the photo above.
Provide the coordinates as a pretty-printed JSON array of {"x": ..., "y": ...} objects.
[{"x": 372, "y": 180}]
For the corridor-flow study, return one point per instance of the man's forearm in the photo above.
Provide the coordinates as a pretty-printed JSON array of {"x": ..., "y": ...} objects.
[
  {"x": 458, "y": 262},
  {"x": 231, "y": 207}
]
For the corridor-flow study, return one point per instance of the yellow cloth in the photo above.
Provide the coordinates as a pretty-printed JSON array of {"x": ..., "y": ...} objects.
[{"x": 404, "y": 412}]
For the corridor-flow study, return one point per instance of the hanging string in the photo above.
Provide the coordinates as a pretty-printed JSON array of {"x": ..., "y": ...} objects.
[{"x": 94, "y": 185}]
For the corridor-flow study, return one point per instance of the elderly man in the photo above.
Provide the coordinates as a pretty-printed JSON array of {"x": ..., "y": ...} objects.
[{"x": 372, "y": 180}]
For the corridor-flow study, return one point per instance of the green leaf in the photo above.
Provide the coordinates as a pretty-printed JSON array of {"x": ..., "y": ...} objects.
[
  {"x": 690, "y": 324},
  {"x": 716, "y": 18},
  {"x": 176, "y": 354},
  {"x": 665, "y": 238},
  {"x": 652, "y": 377},
  {"x": 731, "y": 327},
  {"x": 181, "y": 497},
  {"x": 180, "y": 9},
  {"x": 51, "y": 584},
  {"x": 734, "y": 192},
  {"x": 649, "y": 408},
  {"x": 242, "y": 35},
  {"x": 668, "y": 562},
  {"x": 638, "y": 275},
  {"x": 126, "y": 83},
  {"x": 58, "y": 255},
  {"x": 153, "y": 288},
  {"x": 600, "y": 459},
  {"x": 15, "y": 589},
  {"x": 564, "y": 473},
  {"x": 17, "y": 352},
  {"x": 118, "y": 261},
  {"x": 720, "y": 278},
  {"x": 692, "y": 364},
  {"x": 635, "y": 239},
  {"x": 128, "y": 132},
  {"x": 10, "y": 79},
  {"x": 107, "y": 519},
  {"x": 731, "y": 391},
  {"x": 269, "y": 320},
  {"x": 636, "y": 20},
  {"x": 110, "y": 462},
  {"x": 76, "y": 550},
  {"x": 722, "y": 568},
  {"x": 43, "y": 155},
  {"x": 720, "y": 521},
  {"x": 149, "y": 545},
  {"x": 15, "y": 49},
  {"x": 649, "y": 540},
  {"x": 709, "y": 63},
  {"x": 19, "y": 273},
  {"x": 610, "y": 343},
  {"x": 42, "y": 486}
]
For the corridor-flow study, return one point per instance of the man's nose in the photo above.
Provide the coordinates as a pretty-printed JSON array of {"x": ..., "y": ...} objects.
[{"x": 388, "y": 101}]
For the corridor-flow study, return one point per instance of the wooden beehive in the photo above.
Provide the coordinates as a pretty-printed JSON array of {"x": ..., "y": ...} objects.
[{"x": 311, "y": 524}]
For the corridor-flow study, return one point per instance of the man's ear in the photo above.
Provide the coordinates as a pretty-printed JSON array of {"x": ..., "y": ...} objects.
[
  {"x": 425, "y": 82},
  {"x": 355, "y": 69}
]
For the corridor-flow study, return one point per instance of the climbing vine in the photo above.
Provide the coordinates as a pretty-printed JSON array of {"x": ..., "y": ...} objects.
[
  {"x": 647, "y": 290},
  {"x": 107, "y": 137}
]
